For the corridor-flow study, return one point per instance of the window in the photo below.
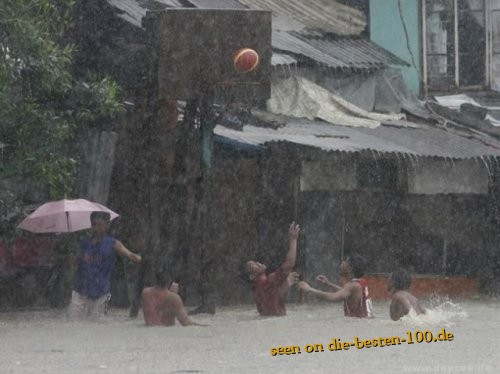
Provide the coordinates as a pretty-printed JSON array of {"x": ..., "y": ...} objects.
[
  {"x": 456, "y": 43},
  {"x": 495, "y": 45}
]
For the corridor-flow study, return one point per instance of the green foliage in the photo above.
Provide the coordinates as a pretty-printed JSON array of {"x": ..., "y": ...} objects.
[{"x": 42, "y": 105}]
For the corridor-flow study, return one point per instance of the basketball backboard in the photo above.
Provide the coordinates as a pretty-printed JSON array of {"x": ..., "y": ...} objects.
[{"x": 194, "y": 50}]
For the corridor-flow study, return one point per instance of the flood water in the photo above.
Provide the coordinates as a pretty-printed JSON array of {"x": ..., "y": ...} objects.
[{"x": 240, "y": 341}]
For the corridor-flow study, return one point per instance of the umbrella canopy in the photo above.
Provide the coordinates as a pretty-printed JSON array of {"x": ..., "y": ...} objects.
[{"x": 63, "y": 216}]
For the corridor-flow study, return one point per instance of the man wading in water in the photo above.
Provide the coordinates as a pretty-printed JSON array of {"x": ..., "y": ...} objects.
[
  {"x": 269, "y": 290},
  {"x": 161, "y": 305},
  {"x": 402, "y": 300},
  {"x": 354, "y": 293},
  {"x": 95, "y": 263}
]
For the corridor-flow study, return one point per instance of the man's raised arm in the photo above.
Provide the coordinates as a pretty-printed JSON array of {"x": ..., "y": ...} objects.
[{"x": 293, "y": 236}]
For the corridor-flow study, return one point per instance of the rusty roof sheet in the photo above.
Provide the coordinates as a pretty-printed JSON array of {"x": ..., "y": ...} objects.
[{"x": 420, "y": 140}]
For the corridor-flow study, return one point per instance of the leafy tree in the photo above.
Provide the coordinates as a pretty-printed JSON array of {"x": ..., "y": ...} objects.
[{"x": 43, "y": 105}]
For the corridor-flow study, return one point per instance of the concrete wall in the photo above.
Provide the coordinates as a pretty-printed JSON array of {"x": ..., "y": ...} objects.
[
  {"x": 328, "y": 176},
  {"x": 438, "y": 177},
  {"x": 437, "y": 217},
  {"x": 386, "y": 29}
]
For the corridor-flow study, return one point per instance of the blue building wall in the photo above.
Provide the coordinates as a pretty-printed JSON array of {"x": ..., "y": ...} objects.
[{"x": 386, "y": 29}]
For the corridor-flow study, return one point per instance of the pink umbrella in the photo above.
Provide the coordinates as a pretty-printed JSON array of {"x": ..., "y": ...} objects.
[{"x": 63, "y": 216}]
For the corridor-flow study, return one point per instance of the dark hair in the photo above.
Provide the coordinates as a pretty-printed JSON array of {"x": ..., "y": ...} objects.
[
  {"x": 162, "y": 278},
  {"x": 358, "y": 265},
  {"x": 105, "y": 216},
  {"x": 401, "y": 279}
]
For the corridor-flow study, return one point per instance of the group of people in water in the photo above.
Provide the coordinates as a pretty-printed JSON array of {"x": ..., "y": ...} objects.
[
  {"x": 162, "y": 305},
  {"x": 269, "y": 289}
]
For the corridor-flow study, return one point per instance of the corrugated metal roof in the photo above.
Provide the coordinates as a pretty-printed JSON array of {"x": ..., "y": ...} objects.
[
  {"x": 286, "y": 42},
  {"x": 278, "y": 59},
  {"x": 133, "y": 11},
  {"x": 422, "y": 141},
  {"x": 327, "y": 16},
  {"x": 338, "y": 53},
  {"x": 217, "y": 4},
  {"x": 293, "y": 16},
  {"x": 357, "y": 52}
]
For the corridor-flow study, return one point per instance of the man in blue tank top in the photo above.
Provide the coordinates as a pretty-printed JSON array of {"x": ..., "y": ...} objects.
[{"x": 95, "y": 263}]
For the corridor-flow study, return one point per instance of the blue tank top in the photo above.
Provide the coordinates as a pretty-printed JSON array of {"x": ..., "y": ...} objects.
[{"x": 95, "y": 267}]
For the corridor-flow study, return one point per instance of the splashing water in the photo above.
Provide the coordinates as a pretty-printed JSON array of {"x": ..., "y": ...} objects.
[{"x": 440, "y": 311}]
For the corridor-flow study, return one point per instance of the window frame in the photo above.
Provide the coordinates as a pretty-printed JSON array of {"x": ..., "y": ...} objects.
[{"x": 487, "y": 10}]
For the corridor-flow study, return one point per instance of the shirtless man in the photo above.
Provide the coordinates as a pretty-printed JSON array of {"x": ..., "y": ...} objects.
[
  {"x": 162, "y": 305},
  {"x": 269, "y": 290},
  {"x": 402, "y": 300},
  {"x": 354, "y": 293}
]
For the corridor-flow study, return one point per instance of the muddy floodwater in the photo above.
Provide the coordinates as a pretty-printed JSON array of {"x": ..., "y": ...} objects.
[{"x": 239, "y": 341}]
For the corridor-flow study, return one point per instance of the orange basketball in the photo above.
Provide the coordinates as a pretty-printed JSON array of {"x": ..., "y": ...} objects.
[{"x": 246, "y": 60}]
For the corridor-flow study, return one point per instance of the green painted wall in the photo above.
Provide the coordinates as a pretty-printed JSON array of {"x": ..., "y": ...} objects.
[{"x": 386, "y": 29}]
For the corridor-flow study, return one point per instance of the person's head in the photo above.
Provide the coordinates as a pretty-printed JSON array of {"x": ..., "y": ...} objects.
[
  {"x": 255, "y": 268},
  {"x": 353, "y": 267},
  {"x": 162, "y": 278},
  {"x": 400, "y": 280},
  {"x": 99, "y": 222}
]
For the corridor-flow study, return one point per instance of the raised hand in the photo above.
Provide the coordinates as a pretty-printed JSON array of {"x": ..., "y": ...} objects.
[
  {"x": 174, "y": 287},
  {"x": 322, "y": 279},
  {"x": 293, "y": 231},
  {"x": 304, "y": 286},
  {"x": 293, "y": 278}
]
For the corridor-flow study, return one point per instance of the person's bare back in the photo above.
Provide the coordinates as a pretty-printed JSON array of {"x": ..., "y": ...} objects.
[
  {"x": 401, "y": 304},
  {"x": 161, "y": 306}
]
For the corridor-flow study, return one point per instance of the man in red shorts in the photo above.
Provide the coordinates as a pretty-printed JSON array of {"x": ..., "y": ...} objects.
[
  {"x": 354, "y": 293},
  {"x": 269, "y": 290}
]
